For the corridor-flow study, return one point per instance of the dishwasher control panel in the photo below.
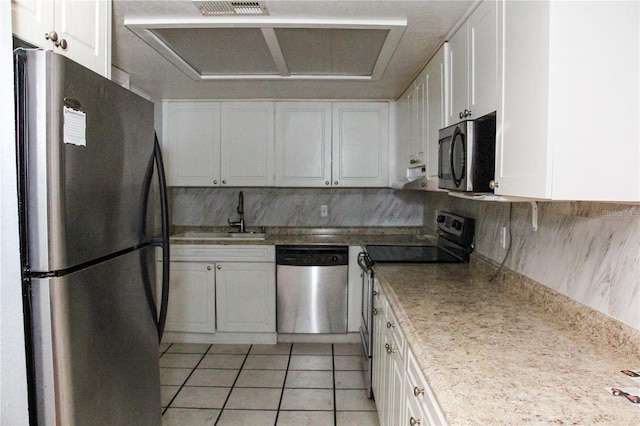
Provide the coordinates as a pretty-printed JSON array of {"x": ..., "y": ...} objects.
[{"x": 312, "y": 255}]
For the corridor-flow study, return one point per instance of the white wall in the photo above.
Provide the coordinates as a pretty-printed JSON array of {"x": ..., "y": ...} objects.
[{"x": 13, "y": 384}]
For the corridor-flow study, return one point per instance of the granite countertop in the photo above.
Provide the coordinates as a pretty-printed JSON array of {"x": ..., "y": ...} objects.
[
  {"x": 352, "y": 236},
  {"x": 492, "y": 356}
]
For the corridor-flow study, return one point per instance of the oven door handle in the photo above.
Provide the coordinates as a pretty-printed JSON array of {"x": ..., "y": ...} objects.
[{"x": 365, "y": 262}]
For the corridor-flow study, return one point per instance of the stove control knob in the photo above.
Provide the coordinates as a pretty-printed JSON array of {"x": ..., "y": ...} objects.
[
  {"x": 456, "y": 224},
  {"x": 440, "y": 218},
  {"x": 335, "y": 259}
]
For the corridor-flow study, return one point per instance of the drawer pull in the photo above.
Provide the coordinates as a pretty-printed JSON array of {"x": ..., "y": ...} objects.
[
  {"x": 417, "y": 392},
  {"x": 413, "y": 421}
]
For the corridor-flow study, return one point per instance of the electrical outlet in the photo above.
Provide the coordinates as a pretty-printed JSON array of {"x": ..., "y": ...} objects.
[
  {"x": 324, "y": 211},
  {"x": 503, "y": 237}
]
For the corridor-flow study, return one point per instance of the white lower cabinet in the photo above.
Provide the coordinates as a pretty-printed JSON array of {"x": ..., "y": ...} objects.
[
  {"x": 218, "y": 289},
  {"x": 401, "y": 392},
  {"x": 192, "y": 298},
  {"x": 246, "y": 297}
]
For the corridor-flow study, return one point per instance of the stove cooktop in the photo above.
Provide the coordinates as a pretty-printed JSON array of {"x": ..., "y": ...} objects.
[{"x": 410, "y": 254}]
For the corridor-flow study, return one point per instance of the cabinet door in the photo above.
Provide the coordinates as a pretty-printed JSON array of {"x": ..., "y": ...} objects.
[
  {"x": 192, "y": 143},
  {"x": 84, "y": 25},
  {"x": 247, "y": 143},
  {"x": 522, "y": 147},
  {"x": 360, "y": 151},
  {"x": 246, "y": 299},
  {"x": 483, "y": 47},
  {"x": 458, "y": 75},
  {"x": 32, "y": 19},
  {"x": 193, "y": 297},
  {"x": 435, "y": 110},
  {"x": 403, "y": 145},
  {"x": 303, "y": 144},
  {"x": 420, "y": 121}
]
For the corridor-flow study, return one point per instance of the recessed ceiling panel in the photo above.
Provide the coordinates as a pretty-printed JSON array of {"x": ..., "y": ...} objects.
[
  {"x": 231, "y": 51},
  {"x": 331, "y": 51},
  {"x": 228, "y": 48}
]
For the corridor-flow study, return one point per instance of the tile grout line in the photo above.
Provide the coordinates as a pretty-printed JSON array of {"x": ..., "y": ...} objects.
[
  {"x": 333, "y": 371},
  {"x": 185, "y": 380},
  {"x": 283, "y": 385},
  {"x": 233, "y": 385}
]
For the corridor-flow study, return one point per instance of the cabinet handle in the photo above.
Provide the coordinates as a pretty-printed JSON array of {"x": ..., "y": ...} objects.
[
  {"x": 413, "y": 421},
  {"x": 417, "y": 391},
  {"x": 326, "y": 182},
  {"x": 390, "y": 324},
  {"x": 208, "y": 268},
  {"x": 219, "y": 267},
  {"x": 494, "y": 184}
]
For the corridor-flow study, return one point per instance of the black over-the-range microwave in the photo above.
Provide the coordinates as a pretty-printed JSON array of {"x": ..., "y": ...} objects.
[{"x": 467, "y": 152}]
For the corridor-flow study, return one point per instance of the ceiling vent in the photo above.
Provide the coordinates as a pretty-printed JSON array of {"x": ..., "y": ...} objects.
[{"x": 230, "y": 8}]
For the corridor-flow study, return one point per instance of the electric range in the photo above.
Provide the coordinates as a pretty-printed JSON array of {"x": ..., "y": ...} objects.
[{"x": 454, "y": 245}]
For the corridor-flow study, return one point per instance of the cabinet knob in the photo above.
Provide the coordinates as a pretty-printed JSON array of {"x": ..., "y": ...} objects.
[
  {"x": 335, "y": 183},
  {"x": 461, "y": 117},
  {"x": 208, "y": 268},
  {"x": 413, "y": 421},
  {"x": 57, "y": 42},
  {"x": 215, "y": 182},
  {"x": 467, "y": 113},
  {"x": 219, "y": 267},
  {"x": 417, "y": 391},
  {"x": 224, "y": 182},
  {"x": 390, "y": 324},
  {"x": 375, "y": 293},
  {"x": 326, "y": 182},
  {"x": 390, "y": 348},
  {"x": 493, "y": 184},
  {"x": 375, "y": 311}
]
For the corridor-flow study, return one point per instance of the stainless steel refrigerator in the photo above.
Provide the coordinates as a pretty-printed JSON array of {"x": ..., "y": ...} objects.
[{"x": 93, "y": 218}]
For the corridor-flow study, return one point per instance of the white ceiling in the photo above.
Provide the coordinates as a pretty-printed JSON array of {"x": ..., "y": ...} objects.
[{"x": 427, "y": 26}]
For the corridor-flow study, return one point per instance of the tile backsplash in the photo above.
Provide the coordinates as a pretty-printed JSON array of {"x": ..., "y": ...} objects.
[
  {"x": 585, "y": 250},
  {"x": 297, "y": 207}
]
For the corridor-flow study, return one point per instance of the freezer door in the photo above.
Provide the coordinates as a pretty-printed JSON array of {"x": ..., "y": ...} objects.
[
  {"x": 83, "y": 201},
  {"x": 96, "y": 345}
]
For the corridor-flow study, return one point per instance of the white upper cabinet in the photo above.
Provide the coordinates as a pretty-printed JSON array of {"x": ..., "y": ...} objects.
[
  {"x": 191, "y": 143},
  {"x": 247, "y": 143},
  {"x": 218, "y": 143},
  {"x": 434, "y": 111},
  {"x": 473, "y": 66},
  {"x": 360, "y": 146},
  {"x": 303, "y": 144},
  {"x": 570, "y": 116},
  {"x": 78, "y": 29}
]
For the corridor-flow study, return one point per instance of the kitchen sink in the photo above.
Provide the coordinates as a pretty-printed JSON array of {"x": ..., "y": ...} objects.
[{"x": 200, "y": 235}]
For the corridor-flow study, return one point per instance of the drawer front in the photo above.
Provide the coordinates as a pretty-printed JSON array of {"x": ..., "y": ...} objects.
[
  {"x": 223, "y": 253},
  {"x": 418, "y": 390}
]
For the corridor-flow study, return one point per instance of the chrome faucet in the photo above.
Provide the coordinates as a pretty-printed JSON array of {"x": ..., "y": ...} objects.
[{"x": 240, "y": 210}]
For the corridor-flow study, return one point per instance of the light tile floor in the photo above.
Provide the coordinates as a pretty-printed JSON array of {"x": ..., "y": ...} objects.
[{"x": 283, "y": 384}]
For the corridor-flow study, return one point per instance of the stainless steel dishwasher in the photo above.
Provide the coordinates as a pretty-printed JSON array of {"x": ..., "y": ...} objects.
[{"x": 311, "y": 283}]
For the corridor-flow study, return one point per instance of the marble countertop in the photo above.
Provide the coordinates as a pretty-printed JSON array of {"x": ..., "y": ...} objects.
[{"x": 491, "y": 356}]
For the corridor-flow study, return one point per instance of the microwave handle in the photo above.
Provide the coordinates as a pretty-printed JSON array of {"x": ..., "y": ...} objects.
[
  {"x": 440, "y": 159},
  {"x": 458, "y": 180}
]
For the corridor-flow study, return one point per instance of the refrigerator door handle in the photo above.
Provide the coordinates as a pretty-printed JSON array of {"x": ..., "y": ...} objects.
[
  {"x": 164, "y": 208},
  {"x": 159, "y": 315}
]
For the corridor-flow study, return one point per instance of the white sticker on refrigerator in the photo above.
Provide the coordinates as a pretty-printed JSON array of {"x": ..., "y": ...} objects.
[{"x": 74, "y": 127}]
